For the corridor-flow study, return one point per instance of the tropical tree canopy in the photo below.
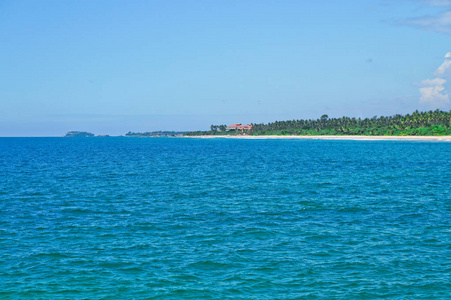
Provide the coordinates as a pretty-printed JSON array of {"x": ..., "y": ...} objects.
[{"x": 418, "y": 123}]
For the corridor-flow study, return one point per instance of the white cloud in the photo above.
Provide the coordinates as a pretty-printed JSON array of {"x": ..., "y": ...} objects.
[
  {"x": 433, "y": 93},
  {"x": 433, "y": 82},
  {"x": 442, "y": 70},
  {"x": 439, "y": 23}
]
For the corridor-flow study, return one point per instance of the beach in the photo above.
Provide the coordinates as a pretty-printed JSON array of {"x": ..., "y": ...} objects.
[{"x": 446, "y": 138}]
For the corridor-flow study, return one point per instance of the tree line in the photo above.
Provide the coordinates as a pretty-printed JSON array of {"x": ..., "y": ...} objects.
[{"x": 418, "y": 123}]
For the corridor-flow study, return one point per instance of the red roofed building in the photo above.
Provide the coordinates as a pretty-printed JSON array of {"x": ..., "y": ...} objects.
[{"x": 238, "y": 126}]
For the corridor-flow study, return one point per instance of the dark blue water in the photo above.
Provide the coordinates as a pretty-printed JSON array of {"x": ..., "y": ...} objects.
[{"x": 134, "y": 218}]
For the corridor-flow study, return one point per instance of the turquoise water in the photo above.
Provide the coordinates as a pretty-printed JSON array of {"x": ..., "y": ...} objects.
[{"x": 135, "y": 218}]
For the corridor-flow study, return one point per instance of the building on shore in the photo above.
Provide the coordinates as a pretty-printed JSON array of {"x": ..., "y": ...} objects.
[{"x": 238, "y": 126}]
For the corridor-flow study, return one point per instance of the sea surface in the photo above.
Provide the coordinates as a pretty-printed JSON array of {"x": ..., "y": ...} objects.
[{"x": 174, "y": 218}]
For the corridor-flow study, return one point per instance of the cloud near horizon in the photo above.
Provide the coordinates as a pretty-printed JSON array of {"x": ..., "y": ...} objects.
[{"x": 433, "y": 93}]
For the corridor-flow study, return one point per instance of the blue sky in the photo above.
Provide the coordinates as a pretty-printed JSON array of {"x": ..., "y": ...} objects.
[{"x": 110, "y": 67}]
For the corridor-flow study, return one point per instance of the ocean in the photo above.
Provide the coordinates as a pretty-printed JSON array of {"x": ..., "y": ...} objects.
[{"x": 175, "y": 218}]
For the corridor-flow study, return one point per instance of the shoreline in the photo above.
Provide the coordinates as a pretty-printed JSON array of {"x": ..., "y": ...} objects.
[{"x": 444, "y": 138}]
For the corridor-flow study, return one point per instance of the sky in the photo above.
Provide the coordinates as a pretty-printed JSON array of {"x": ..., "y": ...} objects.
[{"x": 109, "y": 67}]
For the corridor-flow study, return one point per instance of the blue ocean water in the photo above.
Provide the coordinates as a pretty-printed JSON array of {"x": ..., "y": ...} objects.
[{"x": 172, "y": 218}]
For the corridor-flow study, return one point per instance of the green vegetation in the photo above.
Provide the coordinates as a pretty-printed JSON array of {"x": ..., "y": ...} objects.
[
  {"x": 418, "y": 123},
  {"x": 154, "y": 133},
  {"x": 79, "y": 134}
]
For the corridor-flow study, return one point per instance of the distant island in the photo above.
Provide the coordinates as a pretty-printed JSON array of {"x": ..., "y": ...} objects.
[
  {"x": 79, "y": 134},
  {"x": 430, "y": 123},
  {"x": 129, "y": 134},
  {"x": 156, "y": 134}
]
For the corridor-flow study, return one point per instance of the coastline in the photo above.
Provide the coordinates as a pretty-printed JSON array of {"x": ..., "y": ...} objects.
[{"x": 444, "y": 138}]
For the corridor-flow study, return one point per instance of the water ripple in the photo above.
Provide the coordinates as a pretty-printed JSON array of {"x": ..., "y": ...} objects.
[{"x": 238, "y": 219}]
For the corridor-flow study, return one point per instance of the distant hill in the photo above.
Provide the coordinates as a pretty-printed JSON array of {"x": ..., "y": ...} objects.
[{"x": 79, "y": 134}]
